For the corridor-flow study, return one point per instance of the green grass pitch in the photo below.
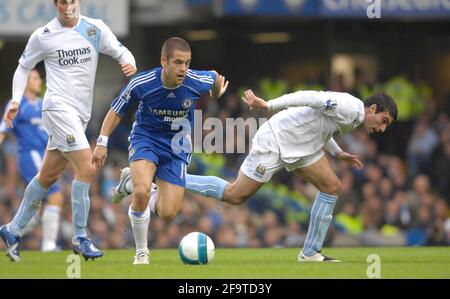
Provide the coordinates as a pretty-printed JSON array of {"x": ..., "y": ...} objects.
[{"x": 416, "y": 262}]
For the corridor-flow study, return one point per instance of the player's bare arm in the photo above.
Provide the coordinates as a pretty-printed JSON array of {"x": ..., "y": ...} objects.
[
  {"x": 110, "y": 122},
  {"x": 219, "y": 87}
]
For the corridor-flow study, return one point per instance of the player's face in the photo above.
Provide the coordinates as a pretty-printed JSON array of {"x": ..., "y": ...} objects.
[
  {"x": 176, "y": 66},
  {"x": 376, "y": 122},
  {"x": 34, "y": 82},
  {"x": 68, "y": 10}
]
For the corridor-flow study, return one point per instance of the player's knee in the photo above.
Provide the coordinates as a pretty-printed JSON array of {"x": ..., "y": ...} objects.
[
  {"x": 89, "y": 172},
  {"x": 48, "y": 177},
  {"x": 332, "y": 187},
  {"x": 168, "y": 214},
  {"x": 236, "y": 196},
  {"x": 141, "y": 193}
]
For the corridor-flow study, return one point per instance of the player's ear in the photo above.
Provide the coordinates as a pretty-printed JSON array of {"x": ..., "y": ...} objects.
[
  {"x": 373, "y": 108},
  {"x": 163, "y": 61}
]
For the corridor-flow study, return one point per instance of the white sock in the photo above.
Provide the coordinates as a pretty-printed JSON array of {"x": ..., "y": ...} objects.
[
  {"x": 34, "y": 222},
  {"x": 50, "y": 227},
  {"x": 139, "y": 223}
]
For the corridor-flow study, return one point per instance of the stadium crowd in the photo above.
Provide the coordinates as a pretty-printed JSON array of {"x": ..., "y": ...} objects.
[{"x": 401, "y": 197}]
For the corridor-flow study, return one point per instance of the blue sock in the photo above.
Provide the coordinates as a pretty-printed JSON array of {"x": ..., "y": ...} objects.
[
  {"x": 209, "y": 186},
  {"x": 80, "y": 208},
  {"x": 321, "y": 215},
  {"x": 32, "y": 198}
]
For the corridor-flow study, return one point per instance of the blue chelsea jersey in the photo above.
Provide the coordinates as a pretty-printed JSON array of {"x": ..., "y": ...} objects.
[
  {"x": 28, "y": 127},
  {"x": 160, "y": 106}
]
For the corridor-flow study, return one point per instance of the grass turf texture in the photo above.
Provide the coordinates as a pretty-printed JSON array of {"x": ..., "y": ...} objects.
[{"x": 417, "y": 262}]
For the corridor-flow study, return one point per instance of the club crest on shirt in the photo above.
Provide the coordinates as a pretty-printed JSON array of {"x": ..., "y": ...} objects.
[
  {"x": 260, "y": 170},
  {"x": 91, "y": 32},
  {"x": 330, "y": 105},
  {"x": 70, "y": 139},
  {"x": 187, "y": 103},
  {"x": 131, "y": 152}
]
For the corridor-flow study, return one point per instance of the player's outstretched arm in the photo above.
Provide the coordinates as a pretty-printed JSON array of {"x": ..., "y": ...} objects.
[
  {"x": 309, "y": 98},
  {"x": 219, "y": 87},
  {"x": 110, "y": 122}
]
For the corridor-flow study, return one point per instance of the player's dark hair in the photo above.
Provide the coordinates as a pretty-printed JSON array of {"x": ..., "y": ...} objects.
[
  {"x": 384, "y": 102},
  {"x": 54, "y": 1},
  {"x": 172, "y": 44}
]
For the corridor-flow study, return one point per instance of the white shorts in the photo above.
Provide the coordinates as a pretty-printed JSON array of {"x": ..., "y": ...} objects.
[
  {"x": 66, "y": 131},
  {"x": 264, "y": 159}
]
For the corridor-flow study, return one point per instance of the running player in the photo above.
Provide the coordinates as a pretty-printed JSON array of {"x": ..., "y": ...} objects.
[
  {"x": 31, "y": 141},
  {"x": 69, "y": 45},
  {"x": 166, "y": 96}
]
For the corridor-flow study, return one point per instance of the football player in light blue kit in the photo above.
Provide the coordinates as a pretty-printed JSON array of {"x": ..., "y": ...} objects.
[
  {"x": 166, "y": 96},
  {"x": 32, "y": 141},
  {"x": 69, "y": 45}
]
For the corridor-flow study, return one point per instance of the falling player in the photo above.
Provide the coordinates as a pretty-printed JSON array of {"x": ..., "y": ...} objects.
[{"x": 293, "y": 139}]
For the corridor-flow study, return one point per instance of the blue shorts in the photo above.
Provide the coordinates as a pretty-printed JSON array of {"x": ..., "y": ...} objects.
[
  {"x": 170, "y": 167},
  {"x": 29, "y": 164}
]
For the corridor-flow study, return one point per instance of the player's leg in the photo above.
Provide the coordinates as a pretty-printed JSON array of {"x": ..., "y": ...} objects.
[
  {"x": 258, "y": 168},
  {"x": 235, "y": 193},
  {"x": 53, "y": 165},
  {"x": 29, "y": 163},
  {"x": 50, "y": 218},
  {"x": 142, "y": 173},
  {"x": 168, "y": 200},
  {"x": 81, "y": 162},
  {"x": 323, "y": 178},
  {"x": 66, "y": 131}
]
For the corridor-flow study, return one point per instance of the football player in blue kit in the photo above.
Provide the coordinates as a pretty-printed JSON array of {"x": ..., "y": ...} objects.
[
  {"x": 166, "y": 98},
  {"x": 31, "y": 143}
]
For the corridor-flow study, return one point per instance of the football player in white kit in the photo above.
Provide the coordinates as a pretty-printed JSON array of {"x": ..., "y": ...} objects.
[
  {"x": 69, "y": 45},
  {"x": 293, "y": 139}
]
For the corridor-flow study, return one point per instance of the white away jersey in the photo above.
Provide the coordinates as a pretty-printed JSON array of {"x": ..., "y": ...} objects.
[
  {"x": 71, "y": 56},
  {"x": 302, "y": 131}
]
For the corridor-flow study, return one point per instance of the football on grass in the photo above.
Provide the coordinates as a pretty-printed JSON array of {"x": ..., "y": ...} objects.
[{"x": 196, "y": 248}]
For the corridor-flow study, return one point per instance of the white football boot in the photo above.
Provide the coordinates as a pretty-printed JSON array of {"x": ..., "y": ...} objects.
[
  {"x": 141, "y": 258},
  {"x": 119, "y": 192},
  {"x": 316, "y": 257}
]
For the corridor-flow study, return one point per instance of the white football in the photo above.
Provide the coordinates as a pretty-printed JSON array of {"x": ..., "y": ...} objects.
[{"x": 196, "y": 248}]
